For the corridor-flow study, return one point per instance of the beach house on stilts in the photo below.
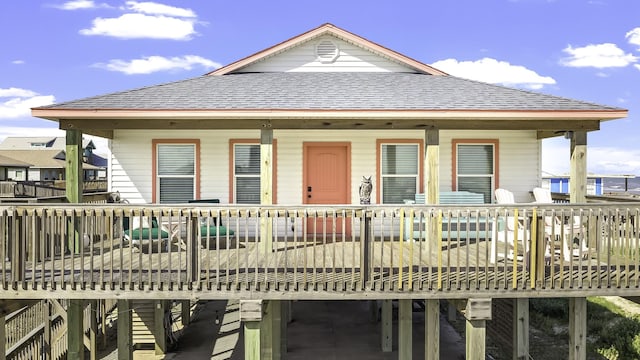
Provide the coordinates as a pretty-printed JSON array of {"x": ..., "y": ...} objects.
[{"x": 243, "y": 183}]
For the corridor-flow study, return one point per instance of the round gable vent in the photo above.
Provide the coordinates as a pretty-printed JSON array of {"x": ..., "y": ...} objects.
[{"x": 327, "y": 51}]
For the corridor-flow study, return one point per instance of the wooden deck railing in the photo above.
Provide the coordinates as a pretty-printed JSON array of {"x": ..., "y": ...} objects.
[
  {"x": 85, "y": 251},
  {"x": 40, "y": 330},
  {"x": 47, "y": 188}
]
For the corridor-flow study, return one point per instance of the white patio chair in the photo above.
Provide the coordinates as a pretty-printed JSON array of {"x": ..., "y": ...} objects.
[
  {"x": 508, "y": 229},
  {"x": 563, "y": 233}
]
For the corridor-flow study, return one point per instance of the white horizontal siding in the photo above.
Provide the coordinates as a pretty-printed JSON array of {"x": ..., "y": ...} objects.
[
  {"x": 131, "y": 166},
  {"x": 519, "y": 160},
  {"x": 303, "y": 58},
  {"x": 131, "y": 171}
]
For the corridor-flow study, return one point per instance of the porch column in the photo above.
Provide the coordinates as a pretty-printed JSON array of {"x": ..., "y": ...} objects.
[
  {"x": 125, "y": 329},
  {"x": 266, "y": 185},
  {"x": 578, "y": 328},
  {"x": 432, "y": 196},
  {"x": 270, "y": 336},
  {"x": 405, "y": 333},
  {"x": 251, "y": 318},
  {"x": 432, "y": 329},
  {"x": 578, "y": 172},
  {"x": 477, "y": 312},
  {"x": 159, "y": 309},
  {"x": 578, "y": 194},
  {"x": 73, "y": 191},
  {"x": 521, "y": 329},
  {"x": 386, "y": 322}
]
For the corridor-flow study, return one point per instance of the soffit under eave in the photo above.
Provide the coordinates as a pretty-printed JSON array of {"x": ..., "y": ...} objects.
[{"x": 105, "y": 128}]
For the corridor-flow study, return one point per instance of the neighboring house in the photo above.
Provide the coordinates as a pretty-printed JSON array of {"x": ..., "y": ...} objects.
[
  {"x": 98, "y": 171},
  {"x": 12, "y": 169},
  {"x": 338, "y": 107},
  {"x": 44, "y": 165},
  {"x": 595, "y": 183}
]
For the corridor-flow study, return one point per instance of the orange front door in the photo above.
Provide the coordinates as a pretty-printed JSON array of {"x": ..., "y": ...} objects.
[{"x": 326, "y": 180}]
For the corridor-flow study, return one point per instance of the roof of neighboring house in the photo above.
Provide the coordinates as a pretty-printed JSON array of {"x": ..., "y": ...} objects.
[
  {"x": 329, "y": 91},
  {"x": 50, "y": 142},
  {"x": 44, "y": 159},
  {"x": 10, "y": 162}
]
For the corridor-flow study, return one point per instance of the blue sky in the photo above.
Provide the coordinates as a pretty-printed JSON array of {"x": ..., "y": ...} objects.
[{"x": 54, "y": 51}]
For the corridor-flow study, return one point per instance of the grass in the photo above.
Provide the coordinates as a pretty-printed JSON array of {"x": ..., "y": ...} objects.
[{"x": 612, "y": 332}]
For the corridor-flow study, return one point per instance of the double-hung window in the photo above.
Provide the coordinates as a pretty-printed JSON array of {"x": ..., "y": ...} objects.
[
  {"x": 176, "y": 170},
  {"x": 245, "y": 171},
  {"x": 476, "y": 166},
  {"x": 399, "y": 170}
]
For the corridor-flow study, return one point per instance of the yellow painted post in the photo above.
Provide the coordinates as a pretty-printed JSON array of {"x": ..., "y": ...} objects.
[{"x": 534, "y": 248}]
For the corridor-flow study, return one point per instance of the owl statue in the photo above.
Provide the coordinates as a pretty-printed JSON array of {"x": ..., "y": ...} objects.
[{"x": 365, "y": 190}]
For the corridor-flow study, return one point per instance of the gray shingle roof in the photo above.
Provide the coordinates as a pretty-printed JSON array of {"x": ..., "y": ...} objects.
[{"x": 330, "y": 91}]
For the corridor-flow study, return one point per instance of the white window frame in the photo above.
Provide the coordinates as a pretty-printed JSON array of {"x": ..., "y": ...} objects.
[
  {"x": 418, "y": 176},
  {"x": 158, "y": 176},
  {"x": 494, "y": 171},
  {"x": 244, "y": 176}
]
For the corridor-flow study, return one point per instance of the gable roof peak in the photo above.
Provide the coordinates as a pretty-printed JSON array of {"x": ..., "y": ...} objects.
[{"x": 328, "y": 29}]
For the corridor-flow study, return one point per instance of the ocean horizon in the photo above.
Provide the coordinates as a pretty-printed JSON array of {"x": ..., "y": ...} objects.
[{"x": 618, "y": 185}]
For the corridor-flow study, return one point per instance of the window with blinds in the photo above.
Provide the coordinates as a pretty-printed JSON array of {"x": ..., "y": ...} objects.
[
  {"x": 399, "y": 172},
  {"x": 176, "y": 172},
  {"x": 475, "y": 169},
  {"x": 246, "y": 165}
]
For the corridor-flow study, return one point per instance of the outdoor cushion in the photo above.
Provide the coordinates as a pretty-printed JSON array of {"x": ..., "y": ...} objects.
[
  {"x": 212, "y": 231},
  {"x": 146, "y": 233}
]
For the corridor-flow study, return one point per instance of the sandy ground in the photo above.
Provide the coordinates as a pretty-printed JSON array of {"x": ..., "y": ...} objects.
[{"x": 319, "y": 330}]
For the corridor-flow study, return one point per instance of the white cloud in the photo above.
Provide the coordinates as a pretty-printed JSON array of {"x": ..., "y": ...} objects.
[
  {"x": 80, "y": 5},
  {"x": 633, "y": 36},
  {"x": 136, "y": 26},
  {"x": 636, "y": 66},
  {"x": 16, "y": 92},
  {"x": 153, "y": 64},
  {"x": 597, "y": 56},
  {"x": 17, "y": 62},
  {"x": 600, "y": 160},
  {"x": 152, "y": 8},
  {"x": 20, "y": 102},
  {"x": 495, "y": 72}
]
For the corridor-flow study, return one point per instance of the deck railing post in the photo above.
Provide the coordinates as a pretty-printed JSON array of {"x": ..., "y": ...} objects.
[
  {"x": 365, "y": 235},
  {"x": 18, "y": 249}
]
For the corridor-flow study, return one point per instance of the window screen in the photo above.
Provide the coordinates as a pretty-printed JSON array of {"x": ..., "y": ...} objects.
[
  {"x": 475, "y": 169},
  {"x": 247, "y": 173},
  {"x": 400, "y": 172},
  {"x": 176, "y": 172}
]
